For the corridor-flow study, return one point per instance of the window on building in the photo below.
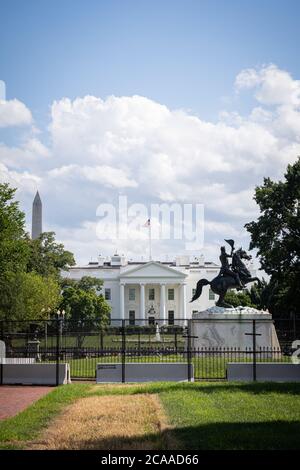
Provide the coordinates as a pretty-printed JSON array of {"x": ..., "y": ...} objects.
[
  {"x": 195, "y": 311},
  {"x": 171, "y": 317},
  {"x": 132, "y": 317},
  {"x": 131, "y": 293},
  {"x": 107, "y": 294},
  {"x": 171, "y": 294},
  {"x": 211, "y": 295},
  {"x": 151, "y": 320},
  {"x": 193, "y": 292},
  {"x": 151, "y": 294}
]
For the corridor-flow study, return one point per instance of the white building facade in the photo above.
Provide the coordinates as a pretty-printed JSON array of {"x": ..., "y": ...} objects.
[{"x": 146, "y": 292}]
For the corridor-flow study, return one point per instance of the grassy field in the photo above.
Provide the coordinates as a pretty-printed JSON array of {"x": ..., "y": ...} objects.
[
  {"x": 199, "y": 415},
  {"x": 107, "y": 340},
  {"x": 205, "y": 367}
]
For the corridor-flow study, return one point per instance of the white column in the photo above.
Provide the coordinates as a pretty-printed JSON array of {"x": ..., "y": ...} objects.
[
  {"x": 183, "y": 300},
  {"x": 122, "y": 301},
  {"x": 162, "y": 315},
  {"x": 142, "y": 304}
]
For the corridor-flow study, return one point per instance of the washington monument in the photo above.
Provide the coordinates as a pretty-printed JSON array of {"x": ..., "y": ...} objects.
[{"x": 36, "y": 217}]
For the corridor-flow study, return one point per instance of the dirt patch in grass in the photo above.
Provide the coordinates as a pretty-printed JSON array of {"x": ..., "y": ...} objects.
[{"x": 110, "y": 422}]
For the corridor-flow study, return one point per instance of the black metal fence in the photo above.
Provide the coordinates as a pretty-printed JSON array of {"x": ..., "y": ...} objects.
[
  {"x": 288, "y": 330},
  {"x": 84, "y": 346}
]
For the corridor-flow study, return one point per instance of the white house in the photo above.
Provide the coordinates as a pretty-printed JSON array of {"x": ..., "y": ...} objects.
[{"x": 151, "y": 291}]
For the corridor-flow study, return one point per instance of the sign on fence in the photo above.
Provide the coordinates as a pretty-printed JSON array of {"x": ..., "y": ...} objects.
[{"x": 144, "y": 372}]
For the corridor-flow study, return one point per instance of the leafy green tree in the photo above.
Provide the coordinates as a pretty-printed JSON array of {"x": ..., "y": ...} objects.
[
  {"x": 14, "y": 250},
  {"x": 89, "y": 283},
  {"x": 86, "y": 283},
  {"x": 276, "y": 236},
  {"x": 85, "y": 308},
  {"x": 237, "y": 299},
  {"x": 28, "y": 296},
  {"x": 259, "y": 295},
  {"x": 47, "y": 257},
  {"x": 29, "y": 269}
]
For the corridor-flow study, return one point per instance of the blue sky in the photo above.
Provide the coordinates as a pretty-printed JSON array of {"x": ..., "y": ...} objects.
[
  {"x": 163, "y": 101},
  {"x": 184, "y": 54}
]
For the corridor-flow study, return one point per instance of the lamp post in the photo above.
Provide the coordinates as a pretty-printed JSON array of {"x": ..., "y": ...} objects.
[
  {"x": 46, "y": 324},
  {"x": 60, "y": 318}
]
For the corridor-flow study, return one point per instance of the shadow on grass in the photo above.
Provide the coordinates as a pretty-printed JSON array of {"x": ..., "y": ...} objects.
[
  {"x": 273, "y": 435},
  {"x": 203, "y": 388},
  {"x": 265, "y": 435}
]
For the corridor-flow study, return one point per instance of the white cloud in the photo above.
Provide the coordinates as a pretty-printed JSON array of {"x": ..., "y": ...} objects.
[
  {"x": 36, "y": 147},
  {"x": 14, "y": 113},
  {"x": 104, "y": 174},
  {"x": 24, "y": 181},
  {"x": 274, "y": 86},
  {"x": 100, "y": 147},
  {"x": 28, "y": 154},
  {"x": 247, "y": 78}
]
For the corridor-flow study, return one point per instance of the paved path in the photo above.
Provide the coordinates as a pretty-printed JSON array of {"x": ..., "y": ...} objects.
[{"x": 14, "y": 399}]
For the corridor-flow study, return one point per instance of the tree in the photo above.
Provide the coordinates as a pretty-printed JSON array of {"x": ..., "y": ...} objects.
[
  {"x": 29, "y": 269},
  {"x": 84, "y": 306},
  {"x": 47, "y": 257},
  {"x": 237, "y": 299},
  {"x": 28, "y": 296},
  {"x": 256, "y": 296},
  {"x": 259, "y": 295},
  {"x": 89, "y": 283},
  {"x": 276, "y": 236},
  {"x": 14, "y": 250}
]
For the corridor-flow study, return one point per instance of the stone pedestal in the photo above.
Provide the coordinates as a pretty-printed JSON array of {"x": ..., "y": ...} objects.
[{"x": 219, "y": 327}]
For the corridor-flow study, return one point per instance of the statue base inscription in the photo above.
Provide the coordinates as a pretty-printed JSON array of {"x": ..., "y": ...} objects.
[{"x": 219, "y": 327}]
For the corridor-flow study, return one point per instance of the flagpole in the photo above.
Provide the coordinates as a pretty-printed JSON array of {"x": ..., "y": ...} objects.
[{"x": 150, "y": 248}]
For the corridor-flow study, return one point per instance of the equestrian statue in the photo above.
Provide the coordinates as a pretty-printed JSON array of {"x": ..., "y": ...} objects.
[{"x": 231, "y": 276}]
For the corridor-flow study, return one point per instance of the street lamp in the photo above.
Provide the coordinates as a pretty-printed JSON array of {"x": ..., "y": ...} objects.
[
  {"x": 60, "y": 314},
  {"x": 60, "y": 317},
  {"x": 48, "y": 310}
]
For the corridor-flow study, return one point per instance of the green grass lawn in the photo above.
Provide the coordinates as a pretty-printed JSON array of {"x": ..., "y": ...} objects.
[
  {"x": 223, "y": 416},
  {"x": 203, "y": 415},
  {"x": 205, "y": 367},
  {"x": 107, "y": 341}
]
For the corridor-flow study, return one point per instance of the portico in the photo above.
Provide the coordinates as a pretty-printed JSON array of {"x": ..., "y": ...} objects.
[{"x": 152, "y": 292}]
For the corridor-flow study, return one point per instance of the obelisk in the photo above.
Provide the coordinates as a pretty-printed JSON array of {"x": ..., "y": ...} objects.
[{"x": 36, "y": 217}]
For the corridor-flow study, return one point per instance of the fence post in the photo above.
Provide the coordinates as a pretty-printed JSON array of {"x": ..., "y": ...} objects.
[
  {"x": 2, "y": 358},
  {"x": 57, "y": 349},
  {"x": 189, "y": 351},
  {"x": 139, "y": 343},
  {"x": 254, "y": 350},
  {"x": 101, "y": 339},
  {"x": 46, "y": 335},
  {"x": 294, "y": 326},
  {"x": 123, "y": 352},
  {"x": 253, "y": 334}
]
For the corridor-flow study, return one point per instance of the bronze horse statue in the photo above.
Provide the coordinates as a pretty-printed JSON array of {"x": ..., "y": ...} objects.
[{"x": 221, "y": 284}]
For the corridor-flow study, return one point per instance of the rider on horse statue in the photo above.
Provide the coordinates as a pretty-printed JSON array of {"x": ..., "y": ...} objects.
[
  {"x": 225, "y": 266},
  {"x": 234, "y": 276}
]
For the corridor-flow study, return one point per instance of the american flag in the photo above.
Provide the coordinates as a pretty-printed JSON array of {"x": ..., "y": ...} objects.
[{"x": 147, "y": 224}]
